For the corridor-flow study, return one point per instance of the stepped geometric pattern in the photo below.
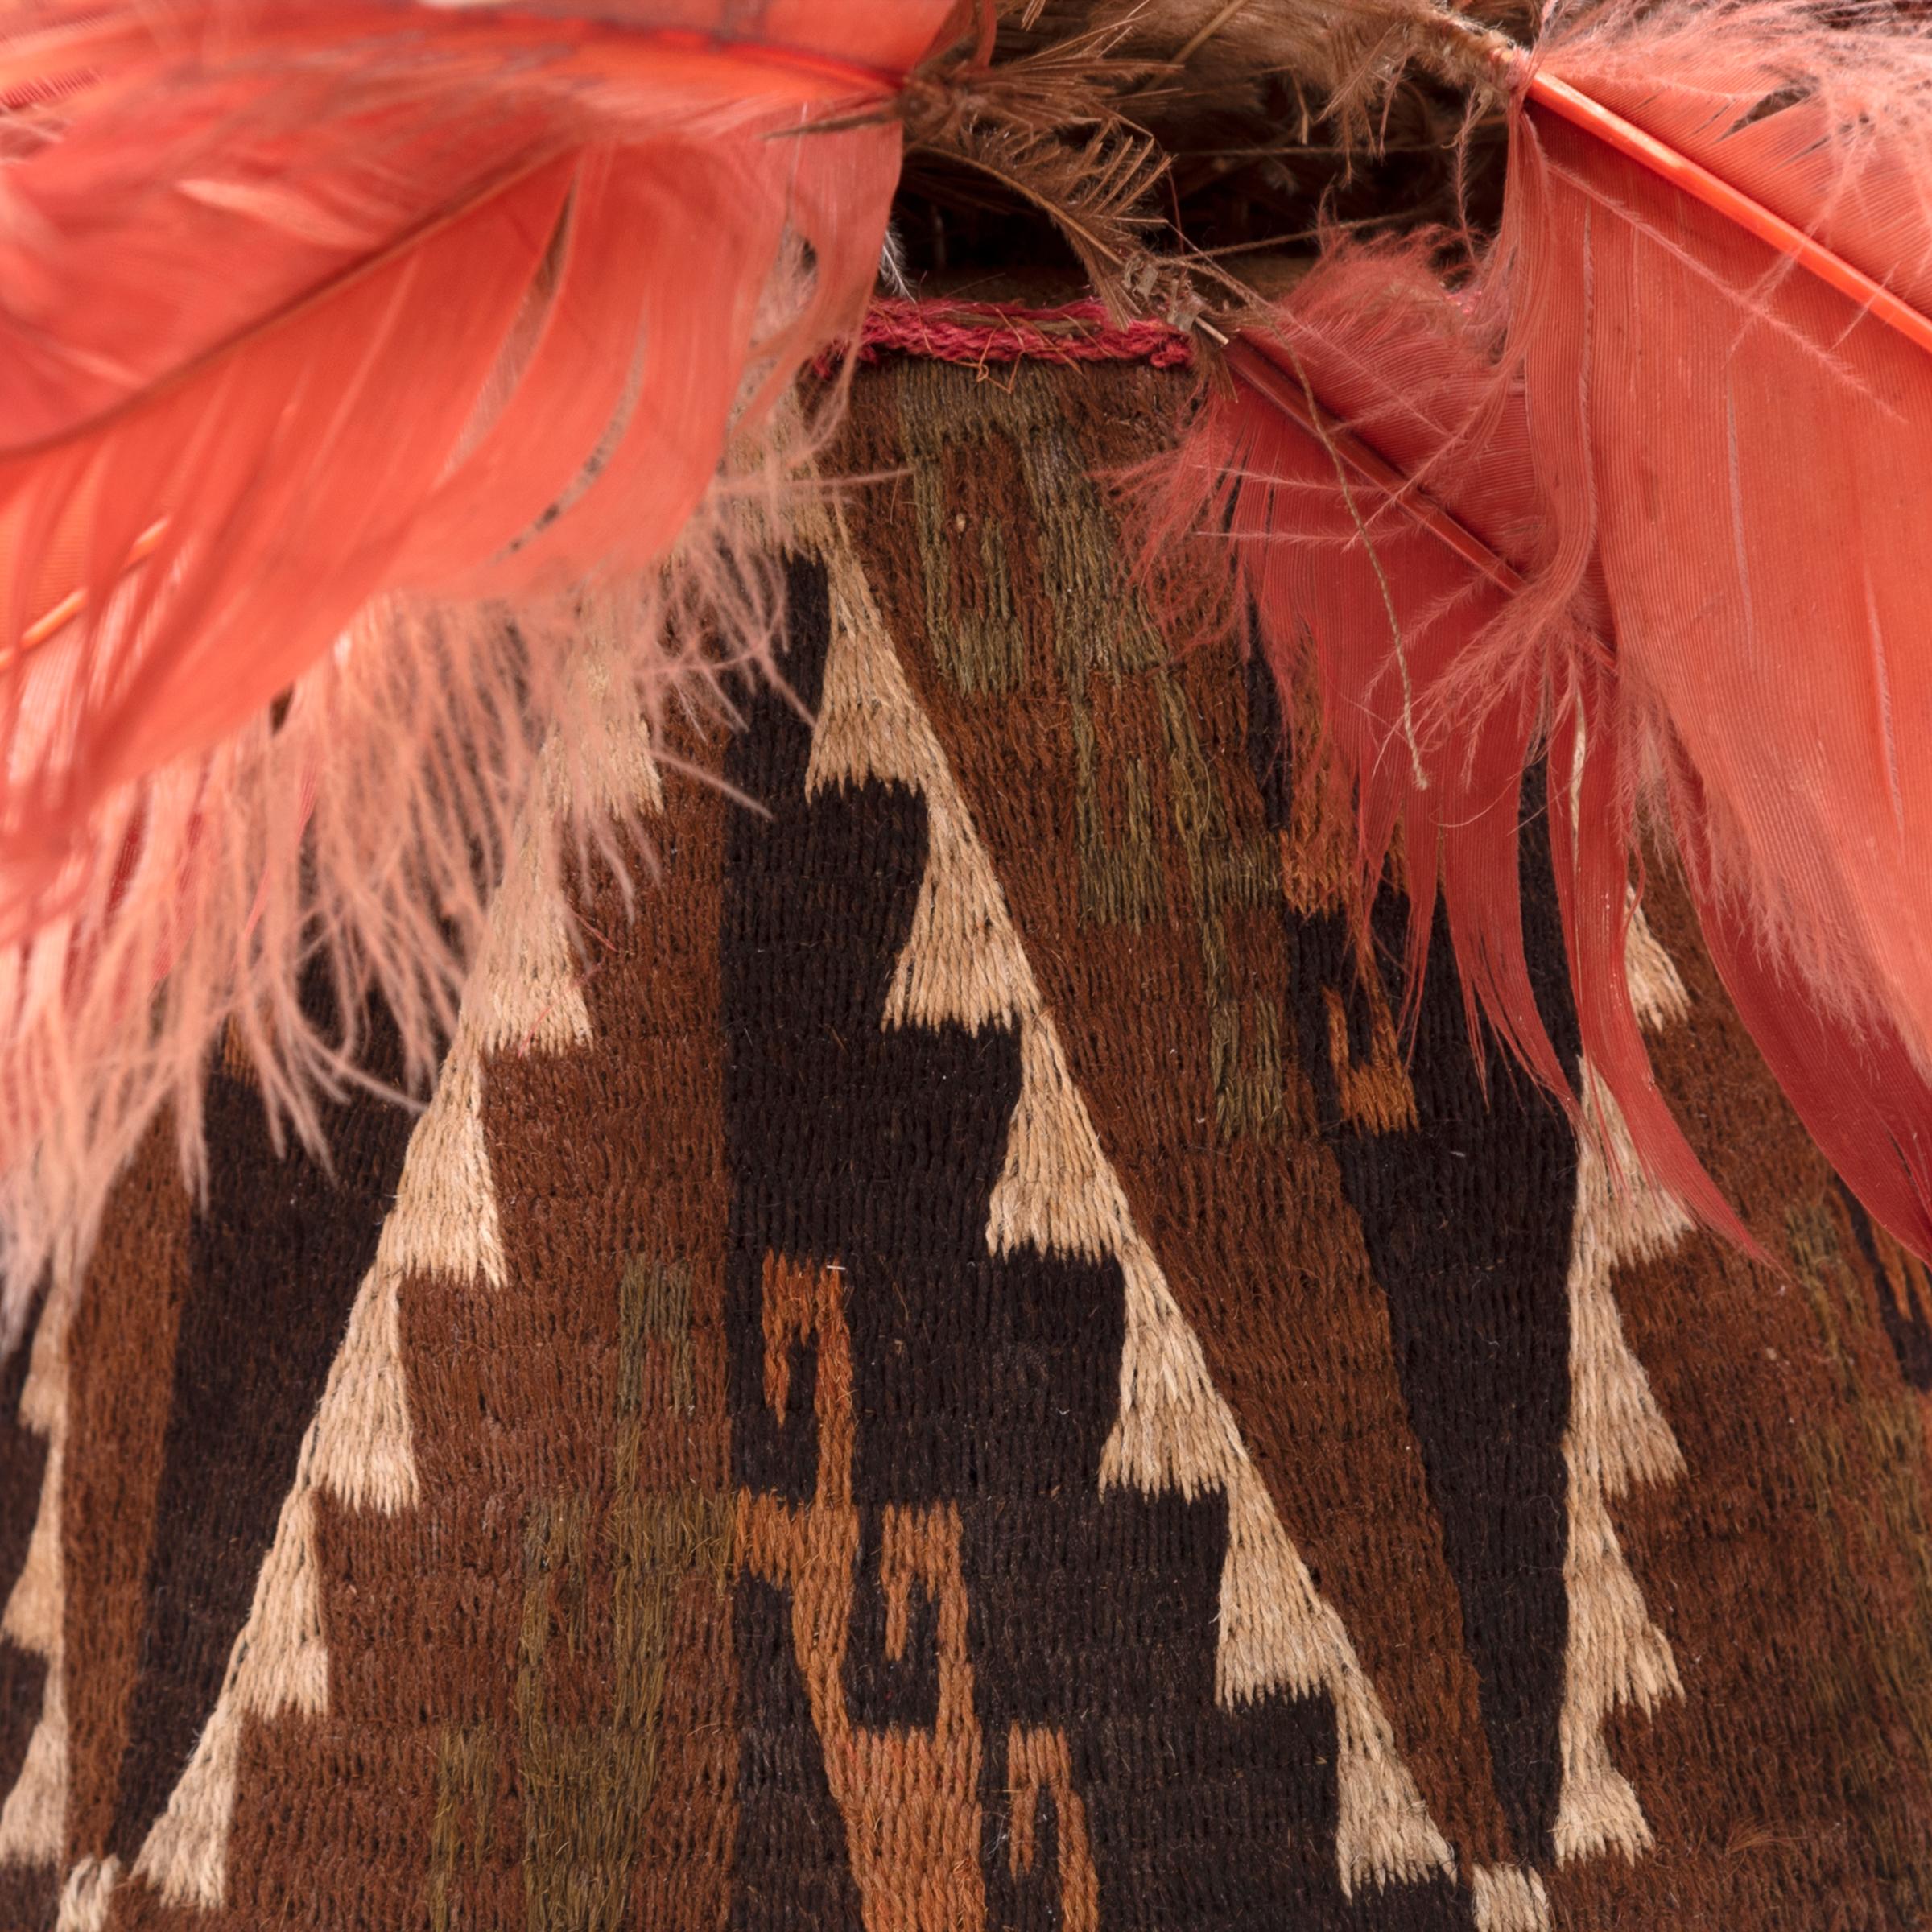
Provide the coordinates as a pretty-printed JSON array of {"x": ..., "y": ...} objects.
[
  {"x": 963, "y": 965},
  {"x": 358, "y": 1450}
]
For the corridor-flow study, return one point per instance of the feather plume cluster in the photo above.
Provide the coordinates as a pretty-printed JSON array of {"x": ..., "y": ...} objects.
[
  {"x": 1640, "y": 494},
  {"x": 1216, "y": 57}
]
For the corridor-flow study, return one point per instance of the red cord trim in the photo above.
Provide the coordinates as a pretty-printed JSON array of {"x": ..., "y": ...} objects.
[{"x": 981, "y": 334}]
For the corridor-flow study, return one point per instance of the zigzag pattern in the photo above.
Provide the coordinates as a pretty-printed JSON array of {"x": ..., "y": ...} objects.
[
  {"x": 963, "y": 963},
  {"x": 524, "y": 994},
  {"x": 1617, "y": 1438},
  {"x": 33, "y": 1819}
]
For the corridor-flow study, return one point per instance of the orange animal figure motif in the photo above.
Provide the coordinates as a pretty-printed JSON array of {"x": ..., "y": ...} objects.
[
  {"x": 910, "y": 1798},
  {"x": 1037, "y": 1761}
]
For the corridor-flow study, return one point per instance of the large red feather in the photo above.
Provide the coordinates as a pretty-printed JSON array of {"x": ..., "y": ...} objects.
[
  {"x": 1722, "y": 257},
  {"x": 313, "y": 310},
  {"x": 1374, "y": 472},
  {"x": 236, "y": 277}
]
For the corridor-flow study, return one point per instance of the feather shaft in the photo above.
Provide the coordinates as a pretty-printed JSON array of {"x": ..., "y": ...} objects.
[
  {"x": 1682, "y": 171},
  {"x": 298, "y": 308},
  {"x": 1253, "y": 364},
  {"x": 57, "y": 617}
]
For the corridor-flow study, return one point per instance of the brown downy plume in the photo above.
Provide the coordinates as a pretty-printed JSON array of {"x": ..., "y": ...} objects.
[
  {"x": 1218, "y": 56},
  {"x": 1045, "y": 131}
]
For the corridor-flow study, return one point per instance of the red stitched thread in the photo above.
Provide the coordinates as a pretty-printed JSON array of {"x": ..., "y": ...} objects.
[{"x": 978, "y": 333}]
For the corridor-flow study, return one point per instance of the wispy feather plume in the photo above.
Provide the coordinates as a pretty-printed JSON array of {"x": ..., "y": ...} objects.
[{"x": 1371, "y": 466}]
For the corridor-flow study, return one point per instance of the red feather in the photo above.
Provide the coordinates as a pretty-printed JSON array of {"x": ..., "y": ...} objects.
[
  {"x": 1375, "y": 477},
  {"x": 232, "y": 280},
  {"x": 1724, "y": 254},
  {"x": 312, "y": 310},
  {"x": 1685, "y": 408}
]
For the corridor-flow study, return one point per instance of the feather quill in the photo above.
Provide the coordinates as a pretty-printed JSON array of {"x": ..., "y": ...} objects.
[{"x": 331, "y": 334}]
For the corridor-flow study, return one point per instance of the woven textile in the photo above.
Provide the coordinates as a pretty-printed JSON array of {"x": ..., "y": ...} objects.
[{"x": 955, "y": 1370}]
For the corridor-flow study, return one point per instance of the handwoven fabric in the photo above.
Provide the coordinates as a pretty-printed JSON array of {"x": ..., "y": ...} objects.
[{"x": 960, "y": 1366}]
